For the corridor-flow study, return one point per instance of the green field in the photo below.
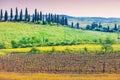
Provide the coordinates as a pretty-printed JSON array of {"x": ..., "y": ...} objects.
[{"x": 16, "y": 31}]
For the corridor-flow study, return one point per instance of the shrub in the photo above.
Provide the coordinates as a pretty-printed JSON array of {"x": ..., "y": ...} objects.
[
  {"x": 14, "y": 44},
  {"x": 67, "y": 50},
  {"x": 95, "y": 41},
  {"x": 107, "y": 45},
  {"x": 29, "y": 42},
  {"x": 85, "y": 49},
  {"x": 34, "y": 51},
  {"x": 2, "y": 46},
  {"x": 108, "y": 41},
  {"x": 53, "y": 49},
  {"x": 106, "y": 48},
  {"x": 74, "y": 42}
]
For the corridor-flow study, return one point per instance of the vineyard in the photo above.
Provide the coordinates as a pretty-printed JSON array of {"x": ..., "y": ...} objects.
[{"x": 61, "y": 63}]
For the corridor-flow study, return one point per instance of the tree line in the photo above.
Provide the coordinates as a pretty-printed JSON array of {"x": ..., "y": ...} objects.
[
  {"x": 49, "y": 18},
  {"x": 97, "y": 27},
  {"x": 36, "y": 17}
]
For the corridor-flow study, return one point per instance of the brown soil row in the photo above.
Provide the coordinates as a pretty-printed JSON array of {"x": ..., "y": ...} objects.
[{"x": 61, "y": 63}]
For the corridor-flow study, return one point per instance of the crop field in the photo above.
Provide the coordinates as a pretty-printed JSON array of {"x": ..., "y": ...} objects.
[
  {"x": 52, "y": 63},
  {"x": 60, "y": 67},
  {"x": 61, "y": 63},
  {"x": 16, "y": 31},
  {"x": 90, "y": 47}
]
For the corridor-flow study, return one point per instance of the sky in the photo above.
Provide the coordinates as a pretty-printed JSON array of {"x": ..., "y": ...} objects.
[{"x": 78, "y": 8}]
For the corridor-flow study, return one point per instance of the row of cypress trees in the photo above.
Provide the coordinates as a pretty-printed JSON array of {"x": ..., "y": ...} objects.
[{"x": 35, "y": 17}]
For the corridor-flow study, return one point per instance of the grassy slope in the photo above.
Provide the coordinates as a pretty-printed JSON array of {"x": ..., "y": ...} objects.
[{"x": 15, "y": 31}]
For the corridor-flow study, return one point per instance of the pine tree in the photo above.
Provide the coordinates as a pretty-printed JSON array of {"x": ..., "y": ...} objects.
[
  {"x": 6, "y": 16},
  {"x": 11, "y": 14},
  {"x": 40, "y": 16},
  {"x": 21, "y": 15},
  {"x": 1, "y": 14},
  {"x": 16, "y": 15},
  {"x": 26, "y": 14}
]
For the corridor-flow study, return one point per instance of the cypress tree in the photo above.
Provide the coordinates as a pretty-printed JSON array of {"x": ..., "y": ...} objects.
[
  {"x": 43, "y": 21},
  {"x": 62, "y": 22},
  {"x": 40, "y": 16},
  {"x": 33, "y": 18},
  {"x": 16, "y": 15},
  {"x": 77, "y": 26},
  {"x": 26, "y": 14},
  {"x": 100, "y": 25},
  {"x": 58, "y": 19},
  {"x": 35, "y": 15},
  {"x": 55, "y": 18},
  {"x": 115, "y": 27},
  {"x": 46, "y": 18},
  {"x": 28, "y": 18},
  {"x": 6, "y": 16},
  {"x": 1, "y": 14},
  {"x": 21, "y": 15},
  {"x": 66, "y": 21},
  {"x": 72, "y": 25},
  {"x": 11, "y": 14},
  {"x": 108, "y": 28},
  {"x": 51, "y": 18}
]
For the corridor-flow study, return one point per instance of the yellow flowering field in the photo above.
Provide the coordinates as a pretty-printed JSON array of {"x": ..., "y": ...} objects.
[
  {"x": 46, "y": 76},
  {"x": 90, "y": 47}
]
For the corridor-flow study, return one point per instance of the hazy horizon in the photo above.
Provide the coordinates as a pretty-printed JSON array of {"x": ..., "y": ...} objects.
[{"x": 76, "y": 8}]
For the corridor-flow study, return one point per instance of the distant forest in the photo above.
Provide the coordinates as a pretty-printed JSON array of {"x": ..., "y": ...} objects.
[{"x": 49, "y": 18}]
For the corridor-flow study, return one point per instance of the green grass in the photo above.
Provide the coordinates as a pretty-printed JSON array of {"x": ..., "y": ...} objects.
[{"x": 15, "y": 31}]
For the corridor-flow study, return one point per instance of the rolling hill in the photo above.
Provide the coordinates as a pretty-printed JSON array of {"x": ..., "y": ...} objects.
[
  {"x": 16, "y": 31},
  {"x": 84, "y": 21}
]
